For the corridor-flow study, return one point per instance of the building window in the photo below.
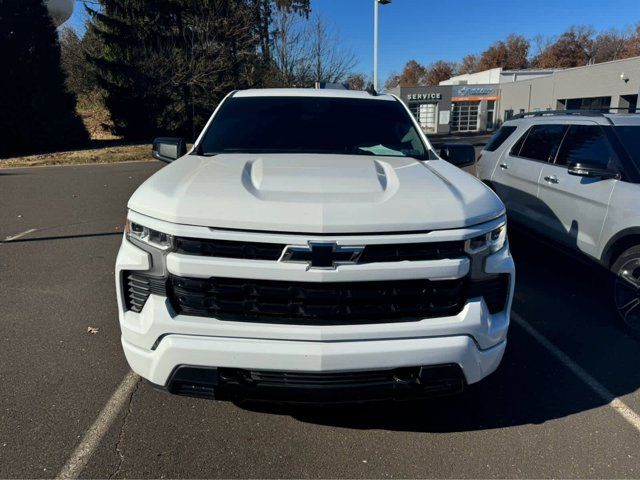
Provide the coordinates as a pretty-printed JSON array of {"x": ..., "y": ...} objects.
[
  {"x": 464, "y": 116},
  {"x": 491, "y": 109},
  {"x": 590, "y": 103},
  {"x": 628, "y": 104}
]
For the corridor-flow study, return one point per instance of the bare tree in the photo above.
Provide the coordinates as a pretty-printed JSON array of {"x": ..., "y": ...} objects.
[
  {"x": 264, "y": 12},
  {"x": 609, "y": 45},
  {"x": 573, "y": 48},
  {"x": 329, "y": 62},
  {"x": 306, "y": 51},
  {"x": 290, "y": 48},
  {"x": 632, "y": 44},
  {"x": 540, "y": 43}
]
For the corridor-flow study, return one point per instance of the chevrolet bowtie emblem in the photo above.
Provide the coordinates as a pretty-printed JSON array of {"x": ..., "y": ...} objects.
[{"x": 322, "y": 255}]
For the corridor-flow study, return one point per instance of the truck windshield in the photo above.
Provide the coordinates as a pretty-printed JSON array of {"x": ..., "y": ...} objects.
[
  {"x": 629, "y": 135},
  {"x": 313, "y": 125}
]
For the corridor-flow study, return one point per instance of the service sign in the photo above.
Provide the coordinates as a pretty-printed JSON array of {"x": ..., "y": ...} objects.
[{"x": 424, "y": 96}]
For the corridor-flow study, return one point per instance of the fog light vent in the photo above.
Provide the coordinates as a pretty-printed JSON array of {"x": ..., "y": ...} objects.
[{"x": 138, "y": 287}]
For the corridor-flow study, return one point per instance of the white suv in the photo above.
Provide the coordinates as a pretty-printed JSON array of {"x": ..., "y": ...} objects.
[
  {"x": 311, "y": 247},
  {"x": 574, "y": 178}
]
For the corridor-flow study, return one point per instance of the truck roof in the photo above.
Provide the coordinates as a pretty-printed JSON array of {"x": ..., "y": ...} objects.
[{"x": 310, "y": 92}]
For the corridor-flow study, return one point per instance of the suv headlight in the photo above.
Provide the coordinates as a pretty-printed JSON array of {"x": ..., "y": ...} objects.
[
  {"x": 138, "y": 233},
  {"x": 490, "y": 242}
]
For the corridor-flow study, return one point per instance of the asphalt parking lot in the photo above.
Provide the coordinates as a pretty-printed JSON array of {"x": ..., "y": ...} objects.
[{"x": 545, "y": 413}]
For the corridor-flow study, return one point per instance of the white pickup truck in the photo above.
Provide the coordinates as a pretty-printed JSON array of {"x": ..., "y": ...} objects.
[{"x": 312, "y": 247}]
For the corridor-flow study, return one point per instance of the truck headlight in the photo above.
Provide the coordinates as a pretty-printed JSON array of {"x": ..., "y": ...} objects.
[
  {"x": 138, "y": 233},
  {"x": 489, "y": 242}
]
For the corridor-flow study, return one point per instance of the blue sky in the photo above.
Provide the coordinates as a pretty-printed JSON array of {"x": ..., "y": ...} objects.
[{"x": 428, "y": 30}]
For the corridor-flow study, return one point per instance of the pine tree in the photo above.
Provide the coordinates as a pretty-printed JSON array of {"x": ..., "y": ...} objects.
[
  {"x": 36, "y": 111},
  {"x": 165, "y": 64},
  {"x": 127, "y": 30}
]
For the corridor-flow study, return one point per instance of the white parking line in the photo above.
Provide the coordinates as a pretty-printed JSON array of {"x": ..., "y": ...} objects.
[
  {"x": 81, "y": 455},
  {"x": 19, "y": 235},
  {"x": 618, "y": 405}
]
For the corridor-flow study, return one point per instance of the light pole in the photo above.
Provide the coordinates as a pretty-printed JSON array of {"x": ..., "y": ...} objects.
[{"x": 375, "y": 40}]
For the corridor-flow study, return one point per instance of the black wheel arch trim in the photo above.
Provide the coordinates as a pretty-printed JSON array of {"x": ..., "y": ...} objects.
[{"x": 613, "y": 247}]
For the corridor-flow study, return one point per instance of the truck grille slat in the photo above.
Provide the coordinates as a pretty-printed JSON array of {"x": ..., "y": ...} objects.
[
  {"x": 315, "y": 303},
  {"x": 316, "y": 387},
  {"x": 228, "y": 249},
  {"x": 139, "y": 287},
  {"x": 272, "y": 251},
  {"x": 309, "y": 379},
  {"x": 494, "y": 291}
]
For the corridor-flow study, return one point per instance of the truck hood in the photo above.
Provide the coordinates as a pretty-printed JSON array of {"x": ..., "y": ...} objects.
[{"x": 313, "y": 193}]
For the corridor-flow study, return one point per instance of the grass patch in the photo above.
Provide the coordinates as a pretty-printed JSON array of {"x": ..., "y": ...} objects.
[
  {"x": 104, "y": 147},
  {"x": 103, "y": 152}
]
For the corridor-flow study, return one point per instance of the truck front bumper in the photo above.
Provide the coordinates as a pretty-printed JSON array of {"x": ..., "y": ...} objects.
[{"x": 313, "y": 372}]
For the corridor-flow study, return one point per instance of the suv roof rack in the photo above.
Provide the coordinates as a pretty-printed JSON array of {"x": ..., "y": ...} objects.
[{"x": 586, "y": 113}]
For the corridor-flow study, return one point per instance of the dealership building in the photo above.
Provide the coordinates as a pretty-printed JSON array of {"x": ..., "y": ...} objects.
[{"x": 481, "y": 101}]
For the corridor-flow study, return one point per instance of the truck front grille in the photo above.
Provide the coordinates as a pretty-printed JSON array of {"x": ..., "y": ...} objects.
[
  {"x": 316, "y": 387},
  {"x": 397, "y": 252},
  {"x": 308, "y": 379},
  {"x": 307, "y": 303},
  {"x": 494, "y": 290}
]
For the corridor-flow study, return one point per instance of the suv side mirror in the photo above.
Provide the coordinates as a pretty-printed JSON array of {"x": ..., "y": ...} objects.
[
  {"x": 591, "y": 170},
  {"x": 168, "y": 149},
  {"x": 459, "y": 154}
]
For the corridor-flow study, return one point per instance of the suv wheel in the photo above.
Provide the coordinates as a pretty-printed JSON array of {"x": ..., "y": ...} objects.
[{"x": 626, "y": 287}]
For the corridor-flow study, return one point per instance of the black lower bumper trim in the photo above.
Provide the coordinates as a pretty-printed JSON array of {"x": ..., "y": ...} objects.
[{"x": 316, "y": 388}]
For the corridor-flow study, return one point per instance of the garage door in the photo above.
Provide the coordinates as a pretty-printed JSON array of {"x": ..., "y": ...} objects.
[{"x": 464, "y": 116}]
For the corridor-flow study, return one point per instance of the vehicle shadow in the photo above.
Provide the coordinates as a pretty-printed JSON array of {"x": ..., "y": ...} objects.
[{"x": 561, "y": 298}]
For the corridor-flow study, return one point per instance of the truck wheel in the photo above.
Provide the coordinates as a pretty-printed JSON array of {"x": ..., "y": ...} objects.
[{"x": 626, "y": 287}]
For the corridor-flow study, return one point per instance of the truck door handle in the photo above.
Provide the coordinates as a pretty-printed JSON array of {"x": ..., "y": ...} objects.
[
  {"x": 504, "y": 166},
  {"x": 551, "y": 179}
]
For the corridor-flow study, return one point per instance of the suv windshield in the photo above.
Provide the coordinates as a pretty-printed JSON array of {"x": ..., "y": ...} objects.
[
  {"x": 313, "y": 125},
  {"x": 629, "y": 135}
]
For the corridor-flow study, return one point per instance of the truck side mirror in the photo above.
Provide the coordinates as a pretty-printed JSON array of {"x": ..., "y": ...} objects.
[
  {"x": 168, "y": 149},
  {"x": 459, "y": 154}
]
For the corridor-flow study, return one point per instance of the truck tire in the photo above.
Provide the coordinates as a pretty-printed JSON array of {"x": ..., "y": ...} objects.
[{"x": 626, "y": 287}]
